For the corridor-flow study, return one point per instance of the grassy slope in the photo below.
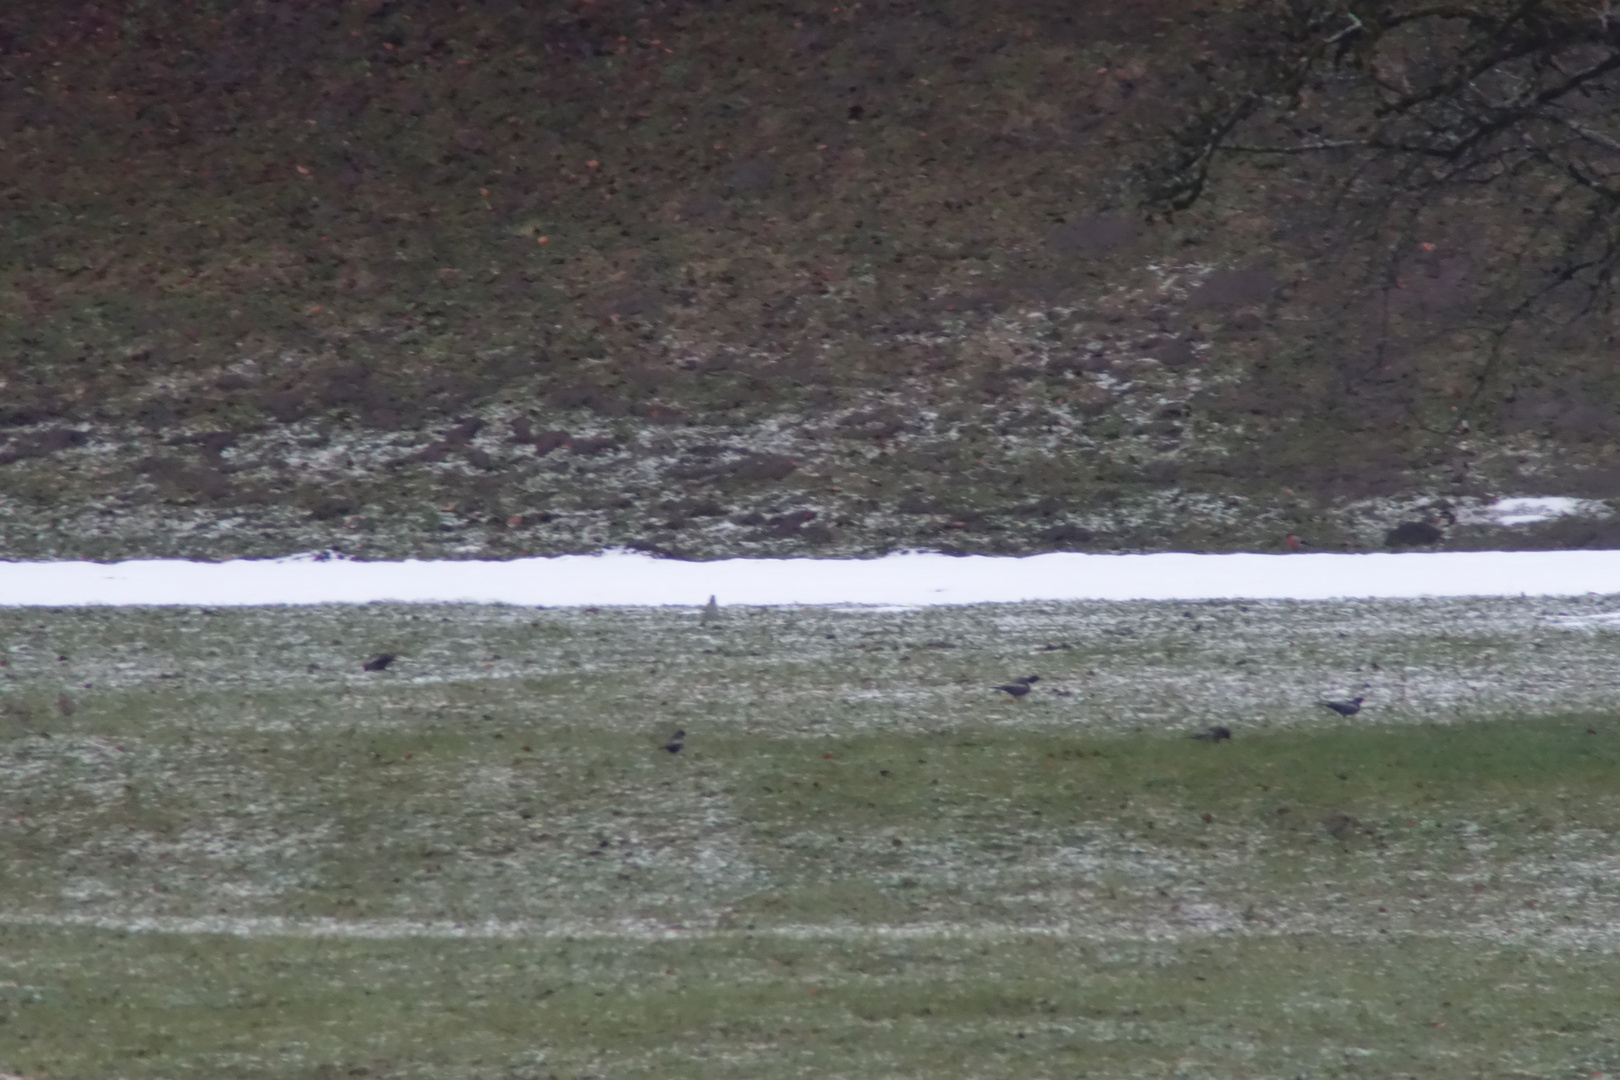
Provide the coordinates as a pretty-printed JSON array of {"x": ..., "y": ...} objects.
[
  {"x": 879, "y": 265},
  {"x": 223, "y": 861}
]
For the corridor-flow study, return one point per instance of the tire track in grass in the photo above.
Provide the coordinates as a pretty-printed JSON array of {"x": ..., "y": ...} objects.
[{"x": 1536, "y": 931}]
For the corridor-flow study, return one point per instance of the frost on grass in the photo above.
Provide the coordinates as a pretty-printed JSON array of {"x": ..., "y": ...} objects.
[{"x": 853, "y": 811}]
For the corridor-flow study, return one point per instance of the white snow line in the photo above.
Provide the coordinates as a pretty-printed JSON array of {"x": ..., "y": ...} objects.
[{"x": 908, "y": 579}]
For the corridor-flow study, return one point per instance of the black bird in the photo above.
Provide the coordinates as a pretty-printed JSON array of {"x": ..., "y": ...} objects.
[
  {"x": 1413, "y": 534},
  {"x": 379, "y": 662},
  {"x": 1344, "y": 708},
  {"x": 1019, "y": 687},
  {"x": 676, "y": 741},
  {"x": 1215, "y": 734}
]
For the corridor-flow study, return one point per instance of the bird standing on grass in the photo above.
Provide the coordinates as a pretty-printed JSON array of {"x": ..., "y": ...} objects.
[
  {"x": 1344, "y": 708},
  {"x": 1215, "y": 734},
  {"x": 379, "y": 662},
  {"x": 1019, "y": 687},
  {"x": 676, "y": 741}
]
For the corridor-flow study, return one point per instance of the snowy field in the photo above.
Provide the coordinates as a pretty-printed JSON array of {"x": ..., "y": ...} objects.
[{"x": 230, "y": 849}]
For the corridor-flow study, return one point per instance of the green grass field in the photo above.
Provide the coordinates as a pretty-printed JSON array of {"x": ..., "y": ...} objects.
[{"x": 228, "y": 852}]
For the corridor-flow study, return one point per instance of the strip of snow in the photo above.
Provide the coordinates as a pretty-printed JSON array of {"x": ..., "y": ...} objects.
[
  {"x": 1603, "y": 620},
  {"x": 908, "y": 579},
  {"x": 1528, "y": 511}
]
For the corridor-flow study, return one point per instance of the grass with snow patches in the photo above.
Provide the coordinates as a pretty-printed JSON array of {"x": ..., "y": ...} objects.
[{"x": 232, "y": 853}]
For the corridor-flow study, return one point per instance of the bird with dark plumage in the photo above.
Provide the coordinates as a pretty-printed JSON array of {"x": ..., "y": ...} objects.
[
  {"x": 379, "y": 662},
  {"x": 1215, "y": 734},
  {"x": 1019, "y": 687},
  {"x": 1344, "y": 708},
  {"x": 676, "y": 741},
  {"x": 1413, "y": 534}
]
